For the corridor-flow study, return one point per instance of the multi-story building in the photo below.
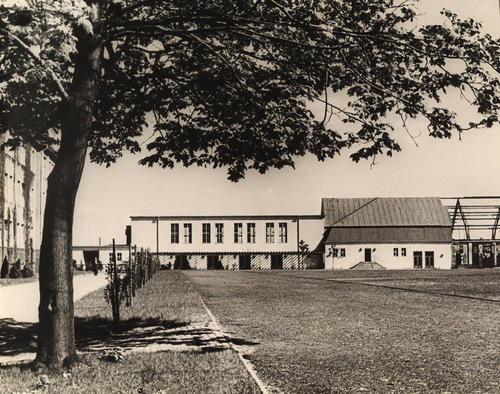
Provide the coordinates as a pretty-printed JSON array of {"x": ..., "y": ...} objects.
[
  {"x": 230, "y": 242},
  {"x": 23, "y": 187},
  {"x": 390, "y": 233}
]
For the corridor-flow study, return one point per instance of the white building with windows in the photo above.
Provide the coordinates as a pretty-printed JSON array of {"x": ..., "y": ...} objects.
[
  {"x": 229, "y": 242},
  {"x": 363, "y": 233},
  {"x": 85, "y": 257},
  {"x": 390, "y": 233}
]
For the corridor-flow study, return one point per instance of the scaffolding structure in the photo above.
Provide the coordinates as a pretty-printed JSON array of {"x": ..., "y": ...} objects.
[{"x": 474, "y": 224}]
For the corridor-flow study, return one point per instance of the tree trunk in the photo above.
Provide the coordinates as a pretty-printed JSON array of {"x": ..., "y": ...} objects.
[{"x": 56, "y": 339}]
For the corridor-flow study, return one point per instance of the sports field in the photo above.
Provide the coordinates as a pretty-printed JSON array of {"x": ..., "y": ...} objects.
[{"x": 377, "y": 331}]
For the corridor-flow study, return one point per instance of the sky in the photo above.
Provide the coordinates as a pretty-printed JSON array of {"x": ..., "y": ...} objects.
[{"x": 109, "y": 196}]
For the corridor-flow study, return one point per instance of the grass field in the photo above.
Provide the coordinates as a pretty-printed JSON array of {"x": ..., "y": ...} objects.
[
  {"x": 168, "y": 300},
  {"x": 378, "y": 331}
]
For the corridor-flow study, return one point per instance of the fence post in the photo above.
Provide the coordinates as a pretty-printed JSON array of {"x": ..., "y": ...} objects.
[{"x": 116, "y": 288}]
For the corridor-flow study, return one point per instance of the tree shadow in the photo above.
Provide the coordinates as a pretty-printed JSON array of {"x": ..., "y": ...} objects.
[
  {"x": 97, "y": 334},
  {"x": 17, "y": 337}
]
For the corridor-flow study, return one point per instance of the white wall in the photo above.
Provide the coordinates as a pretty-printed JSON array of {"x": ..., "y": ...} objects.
[
  {"x": 383, "y": 254},
  {"x": 144, "y": 235}
]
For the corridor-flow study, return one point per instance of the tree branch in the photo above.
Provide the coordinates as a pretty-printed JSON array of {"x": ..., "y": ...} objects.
[{"x": 37, "y": 58}]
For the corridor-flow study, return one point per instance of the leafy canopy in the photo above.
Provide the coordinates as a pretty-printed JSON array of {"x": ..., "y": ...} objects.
[{"x": 227, "y": 83}]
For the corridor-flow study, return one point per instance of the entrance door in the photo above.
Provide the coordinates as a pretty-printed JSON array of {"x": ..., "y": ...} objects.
[
  {"x": 91, "y": 257},
  {"x": 475, "y": 255},
  {"x": 213, "y": 262},
  {"x": 245, "y": 263},
  {"x": 276, "y": 261},
  {"x": 417, "y": 260},
  {"x": 368, "y": 255},
  {"x": 488, "y": 255},
  {"x": 181, "y": 262},
  {"x": 429, "y": 259}
]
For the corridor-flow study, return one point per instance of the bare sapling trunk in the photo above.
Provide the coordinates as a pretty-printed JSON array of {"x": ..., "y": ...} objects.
[{"x": 56, "y": 339}]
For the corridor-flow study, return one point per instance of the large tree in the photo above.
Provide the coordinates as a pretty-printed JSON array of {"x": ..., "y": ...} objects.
[{"x": 223, "y": 83}]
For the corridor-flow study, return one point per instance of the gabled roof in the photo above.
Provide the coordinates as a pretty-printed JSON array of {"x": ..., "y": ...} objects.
[{"x": 363, "y": 212}]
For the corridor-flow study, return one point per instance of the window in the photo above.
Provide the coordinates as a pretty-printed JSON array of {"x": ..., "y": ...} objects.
[
  {"x": 251, "y": 233},
  {"x": 118, "y": 256},
  {"x": 335, "y": 252},
  {"x": 205, "y": 233},
  {"x": 429, "y": 259},
  {"x": 238, "y": 233},
  {"x": 403, "y": 252},
  {"x": 269, "y": 233},
  {"x": 219, "y": 235},
  {"x": 342, "y": 252},
  {"x": 283, "y": 237},
  {"x": 174, "y": 233},
  {"x": 395, "y": 252},
  {"x": 188, "y": 231}
]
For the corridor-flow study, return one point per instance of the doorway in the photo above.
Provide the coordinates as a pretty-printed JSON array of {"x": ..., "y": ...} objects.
[
  {"x": 245, "y": 263},
  {"x": 417, "y": 260},
  {"x": 214, "y": 262},
  {"x": 368, "y": 255},
  {"x": 276, "y": 261},
  {"x": 90, "y": 257}
]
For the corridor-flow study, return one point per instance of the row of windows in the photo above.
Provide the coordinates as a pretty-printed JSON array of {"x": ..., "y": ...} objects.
[
  {"x": 206, "y": 235},
  {"x": 396, "y": 252},
  {"x": 342, "y": 252}
]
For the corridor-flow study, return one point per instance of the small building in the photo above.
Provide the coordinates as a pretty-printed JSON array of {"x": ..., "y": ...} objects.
[
  {"x": 86, "y": 256},
  {"x": 231, "y": 242},
  {"x": 390, "y": 233}
]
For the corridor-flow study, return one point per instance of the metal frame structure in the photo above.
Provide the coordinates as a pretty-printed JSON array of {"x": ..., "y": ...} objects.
[{"x": 474, "y": 215}]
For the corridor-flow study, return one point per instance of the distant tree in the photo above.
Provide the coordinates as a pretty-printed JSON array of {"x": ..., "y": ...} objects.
[
  {"x": 222, "y": 83},
  {"x": 4, "y": 272}
]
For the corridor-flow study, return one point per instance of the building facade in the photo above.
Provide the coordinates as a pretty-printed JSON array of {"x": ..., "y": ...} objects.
[
  {"x": 386, "y": 233},
  {"x": 23, "y": 187},
  {"x": 231, "y": 242},
  {"x": 350, "y": 233},
  {"x": 85, "y": 257}
]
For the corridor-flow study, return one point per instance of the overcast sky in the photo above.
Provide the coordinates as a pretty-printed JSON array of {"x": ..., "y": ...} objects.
[{"x": 109, "y": 196}]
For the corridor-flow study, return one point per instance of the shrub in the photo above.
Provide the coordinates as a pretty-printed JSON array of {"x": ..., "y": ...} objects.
[
  {"x": 27, "y": 272},
  {"x": 16, "y": 270},
  {"x": 5, "y": 268}
]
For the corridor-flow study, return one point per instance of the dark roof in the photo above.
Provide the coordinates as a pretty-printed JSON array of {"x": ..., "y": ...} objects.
[
  {"x": 411, "y": 234},
  {"x": 226, "y": 217},
  {"x": 413, "y": 211}
]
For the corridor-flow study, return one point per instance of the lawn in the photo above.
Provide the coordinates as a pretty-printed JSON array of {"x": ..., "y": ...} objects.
[
  {"x": 169, "y": 300},
  {"x": 349, "y": 331}
]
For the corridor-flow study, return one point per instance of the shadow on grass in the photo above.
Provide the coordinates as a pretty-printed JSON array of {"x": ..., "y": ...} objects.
[
  {"x": 17, "y": 337},
  {"x": 96, "y": 334},
  {"x": 149, "y": 335}
]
